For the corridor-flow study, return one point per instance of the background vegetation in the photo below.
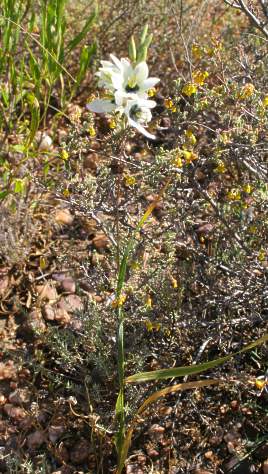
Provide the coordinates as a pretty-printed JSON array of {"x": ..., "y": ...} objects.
[{"x": 72, "y": 192}]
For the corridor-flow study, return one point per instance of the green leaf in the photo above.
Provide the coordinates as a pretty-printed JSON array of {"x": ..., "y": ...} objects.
[
  {"x": 85, "y": 57},
  {"x": 191, "y": 369},
  {"x": 3, "y": 194},
  {"x": 35, "y": 117},
  {"x": 78, "y": 38},
  {"x": 132, "y": 50}
]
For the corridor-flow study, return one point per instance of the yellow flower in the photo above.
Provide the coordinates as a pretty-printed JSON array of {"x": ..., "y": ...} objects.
[
  {"x": 190, "y": 137},
  {"x": 262, "y": 255},
  {"x": 196, "y": 51},
  {"x": 118, "y": 302},
  {"x": 252, "y": 229},
  {"x": 149, "y": 326},
  {"x": 221, "y": 168},
  {"x": 66, "y": 192},
  {"x": 246, "y": 91},
  {"x": 199, "y": 77},
  {"x": 234, "y": 195},
  {"x": 91, "y": 131},
  {"x": 178, "y": 162},
  {"x": 169, "y": 104},
  {"x": 174, "y": 282},
  {"x": 149, "y": 302},
  {"x": 189, "y": 89},
  {"x": 247, "y": 188},
  {"x": 151, "y": 92},
  {"x": 112, "y": 124},
  {"x": 260, "y": 383},
  {"x": 64, "y": 155},
  {"x": 130, "y": 180},
  {"x": 189, "y": 156},
  {"x": 265, "y": 101}
]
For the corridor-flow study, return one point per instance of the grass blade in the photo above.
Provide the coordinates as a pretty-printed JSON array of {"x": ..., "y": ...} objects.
[
  {"x": 191, "y": 369},
  {"x": 152, "y": 399}
]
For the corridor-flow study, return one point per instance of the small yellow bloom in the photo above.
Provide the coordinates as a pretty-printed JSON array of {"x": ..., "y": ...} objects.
[
  {"x": 42, "y": 262},
  {"x": 149, "y": 326},
  {"x": 247, "y": 91},
  {"x": 262, "y": 255},
  {"x": 118, "y": 302},
  {"x": 151, "y": 92},
  {"x": 178, "y": 162},
  {"x": 234, "y": 195},
  {"x": 260, "y": 383},
  {"x": 199, "y": 77},
  {"x": 149, "y": 302},
  {"x": 91, "y": 131},
  {"x": 190, "y": 137},
  {"x": 265, "y": 101},
  {"x": 189, "y": 156},
  {"x": 130, "y": 180},
  {"x": 64, "y": 155},
  {"x": 247, "y": 188},
  {"x": 174, "y": 282},
  {"x": 189, "y": 89},
  {"x": 221, "y": 168},
  {"x": 169, "y": 104},
  {"x": 196, "y": 51},
  {"x": 66, "y": 192},
  {"x": 252, "y": 229},
  {"x": 112, "y": 124}
]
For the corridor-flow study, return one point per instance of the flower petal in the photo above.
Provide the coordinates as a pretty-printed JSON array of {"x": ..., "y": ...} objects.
[
  {"x": 117, "y": 80},
  {"x": 140, "y": 128},
  {"x": 149, "y": 83},
  {"x": 101, "y": 106},
  {"x": 116, "y": 62},
  {"x": 141, "y": 71}
]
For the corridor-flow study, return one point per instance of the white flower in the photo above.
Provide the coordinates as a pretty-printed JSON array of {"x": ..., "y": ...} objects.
[
  {"x": 138, "y": 114},
  {"x": 127, "y": 88},
  {"x": 120, "y": 75}
]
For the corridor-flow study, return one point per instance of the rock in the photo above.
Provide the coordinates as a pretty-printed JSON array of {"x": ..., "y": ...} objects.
[
  {"x": 62, "y": 316},
  {"x": 134, "y": 469},
  {"x": 80, "y": 452},
  {"x": 201, "y": 471},
  {"x": 48, "y": 312},
  {"x": 100, "y": 242},
  {"x": 4, "y": 284},
  {"x": 261, "y": 452},
  {"x": 156, "y": 432},
  {"x": 64, "y": 217},
  {"x": 68, "y": 285},
  {"x": 7, "y": 370},
  {"x": 71, "y": 303},
  {"x": 35, "y": 322},
  {"x": 265, "y": 467},
  {"x": 47, "y": 292},
  {"x": 46, "y": 143},
  {"x": 16, "y": 413},
  {"x": 19, "y": 396},
  {"x": 34, "y": 440}
]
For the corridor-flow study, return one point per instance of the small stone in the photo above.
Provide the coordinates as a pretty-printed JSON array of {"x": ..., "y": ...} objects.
[
  {"x": 34, "y": 440},
  {"x": 48, "y": 312},
  {"x": 156, "y": 431},
  {"x": 101, "y": 241},
  {"x": 152, "y": 453},
  {"x": 64, "y": 217},
  {"x": 46, "y": 143},
  {"x": 7, "y": 370},
  {"x": 16, "y": 413},
  {"x": 19, "y": 396},
  {"x": 47, "y": 292},
  {"x": 68, "y": 285},
  {"x": 71, "y": 303},
  {"x": 62, "y": 316},
  {"x": 35, "y": 321},
  {"x": 4, "y": 283},
  {"x": 91, "y": 162}
]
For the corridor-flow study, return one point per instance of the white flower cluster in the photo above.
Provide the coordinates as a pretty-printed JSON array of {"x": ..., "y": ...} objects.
[{"x": 127, "y": 88}]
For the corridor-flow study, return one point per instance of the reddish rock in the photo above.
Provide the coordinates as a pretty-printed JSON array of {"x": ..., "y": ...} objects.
[
  {"x": 34, "y": 440},
  {"x": 80, "y": 452}
]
